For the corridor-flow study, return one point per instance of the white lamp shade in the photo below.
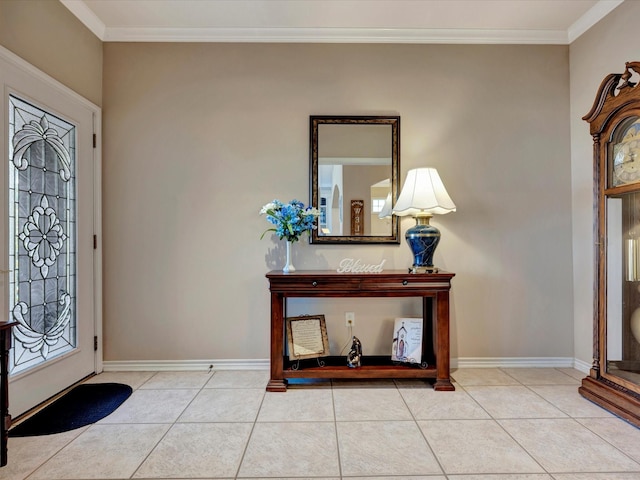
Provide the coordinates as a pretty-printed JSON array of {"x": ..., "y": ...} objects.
[
  {"x": 423, "y": 192},
  {"x": 386, "y": 208}
]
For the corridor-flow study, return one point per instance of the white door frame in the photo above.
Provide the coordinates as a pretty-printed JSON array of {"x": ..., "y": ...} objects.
[{"x": 26, "y": 67}]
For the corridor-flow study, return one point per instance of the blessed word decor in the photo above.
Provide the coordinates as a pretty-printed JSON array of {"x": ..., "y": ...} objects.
[{"x": 349, "y": 265}]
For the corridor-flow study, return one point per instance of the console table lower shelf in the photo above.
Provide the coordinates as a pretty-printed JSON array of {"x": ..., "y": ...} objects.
[
  {"x": 434, "y": 290},
  {"x": 373, "y": 367}
]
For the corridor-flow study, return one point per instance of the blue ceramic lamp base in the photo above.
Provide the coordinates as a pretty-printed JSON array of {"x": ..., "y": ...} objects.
[{"x": 423, "y": 240}]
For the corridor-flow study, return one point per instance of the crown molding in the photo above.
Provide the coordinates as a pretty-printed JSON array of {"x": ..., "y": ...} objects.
[
  {"x": 339, "y": 35},
  {"x": 86, "y": 16},
  {"x": 335, "y": 35},
  {"x": 593, "y": 16}
]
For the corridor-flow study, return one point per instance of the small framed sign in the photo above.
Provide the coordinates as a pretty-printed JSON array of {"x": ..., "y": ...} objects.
[
  {"x": 407, "y": 340},
  {"x": 357, "y": 217},
  {"x": 307, "y": 337}
]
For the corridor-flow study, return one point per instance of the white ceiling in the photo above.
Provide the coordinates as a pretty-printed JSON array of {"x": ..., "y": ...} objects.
[{"x": 346, "y": 21}]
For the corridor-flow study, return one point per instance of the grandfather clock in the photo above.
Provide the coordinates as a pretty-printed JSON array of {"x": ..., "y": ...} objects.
[{"x": 614, "y": 379}]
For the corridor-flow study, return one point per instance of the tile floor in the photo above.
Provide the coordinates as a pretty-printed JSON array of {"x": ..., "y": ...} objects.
[{"x": 499, "y": 424}]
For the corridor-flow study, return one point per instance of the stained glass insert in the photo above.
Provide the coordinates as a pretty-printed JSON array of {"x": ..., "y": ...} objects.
[{"x": 42, "y": 235}]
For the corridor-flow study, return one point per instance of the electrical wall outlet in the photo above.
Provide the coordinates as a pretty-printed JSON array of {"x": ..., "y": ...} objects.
[{"x": 350, "y": 319}]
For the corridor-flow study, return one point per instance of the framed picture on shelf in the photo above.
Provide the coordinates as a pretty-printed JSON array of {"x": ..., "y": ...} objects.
[
  {"x": 307, "y": 337},
  {"x": 407, "y": 340}
]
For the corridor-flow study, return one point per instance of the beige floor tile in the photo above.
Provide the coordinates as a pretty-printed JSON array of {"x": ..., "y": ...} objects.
[
  {"x": 417, "y": 383},
  {"x": 369, "y": 404},
  {"x": 476, "y": 446},
  {"x": 239, "y": 379},
  {"x": 297, "y": 405},
  {"x": 384, "y": 448},
  {"x": 291, "y": 450},
  {"x": 133, "y": 379},
  {"x": 403, "y": 477},
  {"x": 541, "y": 376},
  {"x": 573, "y": 372},
  {"x": 354, "y": 383},
  {"x": 426, "y": 404},
  {"x": 197, "y": 450},
  {"x": 371, "y": 436},
  {"x": 482, "y": 376},
  {"x": 513, "y": 402},
  {"x": 25, "y": 454},
  {"x": 597, "y": 476},
  {"x": 510, "y": 476},
  {"x": 567, "y": 399},
  {"x": 563, "y": 446},
  {"x": 617, "y": 432},
  {"x": 152, "y": 406},
  {"x": 103, "y": 451},
  {"x": 168, "y": 380},
  {"x": 224, "y": 405}
]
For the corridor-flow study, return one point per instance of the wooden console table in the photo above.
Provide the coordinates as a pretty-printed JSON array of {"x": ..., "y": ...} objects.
[{"x": 433, "y": 288}]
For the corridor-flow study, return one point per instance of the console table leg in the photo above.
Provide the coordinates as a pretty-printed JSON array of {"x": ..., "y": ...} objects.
[
  {"x": 277, "y": 382},
  {"x": 443, "y": 386},
  {"x": 443, "y": 379},
  {"x": 277, "y": 385}
]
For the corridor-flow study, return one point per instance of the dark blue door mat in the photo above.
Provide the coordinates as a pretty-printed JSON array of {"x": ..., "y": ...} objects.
[{"x": 82, "y": 405}]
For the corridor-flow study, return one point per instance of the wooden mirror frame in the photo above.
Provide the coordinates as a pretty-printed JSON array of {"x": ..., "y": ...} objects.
[{"x": 394, "y": 122}]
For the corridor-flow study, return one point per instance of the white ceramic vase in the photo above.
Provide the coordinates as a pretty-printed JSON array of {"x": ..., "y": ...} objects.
[{"x": 288, "y": 267}]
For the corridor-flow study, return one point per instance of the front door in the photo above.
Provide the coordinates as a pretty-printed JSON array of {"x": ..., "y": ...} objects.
[{"x": 47, "y": 233}]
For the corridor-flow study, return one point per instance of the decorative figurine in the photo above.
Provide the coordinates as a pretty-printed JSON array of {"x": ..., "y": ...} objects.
[{"x": 355, "y": 354}]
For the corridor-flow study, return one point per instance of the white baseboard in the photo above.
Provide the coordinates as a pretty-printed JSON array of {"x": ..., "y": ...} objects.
[
  {"x": 513, "y": 362},
  {"x": 263, "y": 364},
  {"x": 184, "y": 365},
  {"x": 584, "y": 367}
]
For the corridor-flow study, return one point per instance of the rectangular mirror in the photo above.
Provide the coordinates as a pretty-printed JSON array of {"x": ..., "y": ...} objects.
[{"x": 355, "y": 161}]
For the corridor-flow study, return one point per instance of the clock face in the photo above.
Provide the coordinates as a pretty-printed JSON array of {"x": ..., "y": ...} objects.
[
  {"x": 626, "y": 157},
  {"x": 626, "y": 168}
]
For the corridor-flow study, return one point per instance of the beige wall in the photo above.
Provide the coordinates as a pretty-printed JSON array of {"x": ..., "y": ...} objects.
[
  {"x": 197, "y": 137},
  {"x": 211, "y": 132},
  {"x": 602, "y": 50},
  {"x": 47, "y": 35}
]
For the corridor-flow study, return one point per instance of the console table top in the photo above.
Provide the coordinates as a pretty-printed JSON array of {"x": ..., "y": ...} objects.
[{"x": 385, "y": 274}]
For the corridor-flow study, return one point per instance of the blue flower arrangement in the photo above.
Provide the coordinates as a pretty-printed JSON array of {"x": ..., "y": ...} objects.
[{"x": 291, "y": 220}]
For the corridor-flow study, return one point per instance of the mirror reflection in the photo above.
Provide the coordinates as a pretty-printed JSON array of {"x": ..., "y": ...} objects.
[{"x": 354, "y": 176}]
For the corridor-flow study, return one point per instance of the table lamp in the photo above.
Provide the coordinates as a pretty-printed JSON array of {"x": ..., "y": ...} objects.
[{"x": 423, "y": 195}]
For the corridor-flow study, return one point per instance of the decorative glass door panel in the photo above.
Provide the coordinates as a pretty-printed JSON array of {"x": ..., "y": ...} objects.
[{"x": 42, "y": 235}]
